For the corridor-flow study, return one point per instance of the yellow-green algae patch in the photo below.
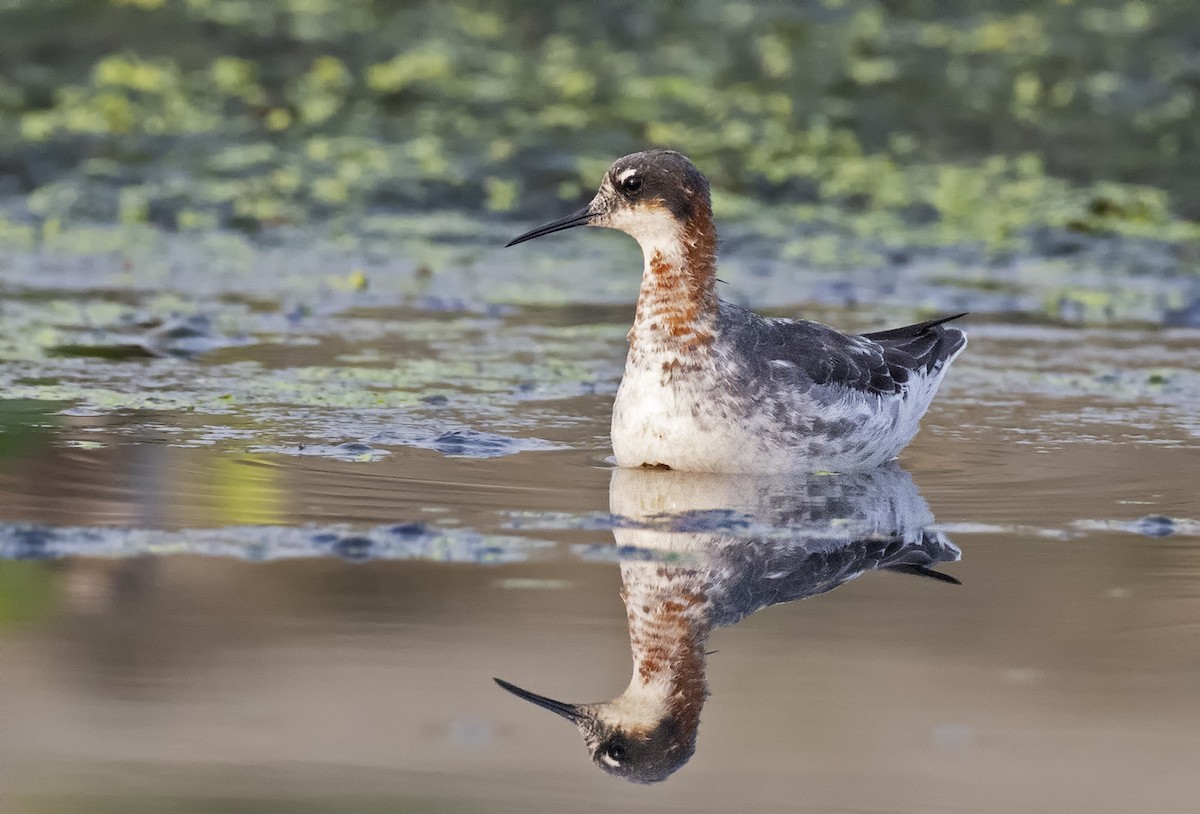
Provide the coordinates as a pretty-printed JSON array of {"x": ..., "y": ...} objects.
[{"x": 863, "y": 127}]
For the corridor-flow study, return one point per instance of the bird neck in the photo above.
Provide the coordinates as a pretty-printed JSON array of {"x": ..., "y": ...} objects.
[
  {"x": 669, "y": 623},
  {"x": 677, "y": 304}
]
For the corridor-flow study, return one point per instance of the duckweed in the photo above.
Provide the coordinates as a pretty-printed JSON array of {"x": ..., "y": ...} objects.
[{"x": 874, "y": 126}]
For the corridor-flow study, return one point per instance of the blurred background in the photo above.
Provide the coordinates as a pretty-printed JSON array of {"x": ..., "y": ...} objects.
[
  {"x": 885, "y": 128},
  {"x": 294, "y": 458}
]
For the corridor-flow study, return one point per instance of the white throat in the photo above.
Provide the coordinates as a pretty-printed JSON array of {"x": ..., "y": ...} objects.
[{"x": 654, "y": 228}]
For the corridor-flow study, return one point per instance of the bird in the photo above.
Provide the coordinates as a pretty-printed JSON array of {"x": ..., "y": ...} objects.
[
  {"x": 705, "y": 550},
  {"x": 709, "y": 386}
]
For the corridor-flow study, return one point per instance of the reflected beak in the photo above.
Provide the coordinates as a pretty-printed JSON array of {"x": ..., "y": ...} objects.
[
  {"x": 579, "y": 218},
  {"x": 572, "y": 712}
]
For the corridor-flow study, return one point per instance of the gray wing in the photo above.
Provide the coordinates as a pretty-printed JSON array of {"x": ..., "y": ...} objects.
[
  {"x": 801, "y": 571},
  {"x": 807, "y": 567},
  {"x": 877, "y": 363}
]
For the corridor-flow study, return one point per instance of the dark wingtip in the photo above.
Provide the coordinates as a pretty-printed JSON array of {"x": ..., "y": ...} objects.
[
  {"x": 924, "y": 571},
  {"x": 933, "y": 323},
  {"x": 911, "y": 331}
]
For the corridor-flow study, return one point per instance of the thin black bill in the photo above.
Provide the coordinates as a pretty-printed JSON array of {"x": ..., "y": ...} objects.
[
  {"x": 569, "y": 711},
  {"x": 579, "y": 218}
]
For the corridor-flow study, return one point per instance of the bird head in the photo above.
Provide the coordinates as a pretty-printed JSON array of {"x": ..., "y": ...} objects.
[{"x": 631, "y": 736}]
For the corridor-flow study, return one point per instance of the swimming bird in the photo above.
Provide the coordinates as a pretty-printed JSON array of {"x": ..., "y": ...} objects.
[
  {"x": 705, "y": 550},
  {"x": 712, "y": 387}
]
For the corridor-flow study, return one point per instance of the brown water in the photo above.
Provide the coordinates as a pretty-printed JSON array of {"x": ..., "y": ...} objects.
[{"x": 217, "y": 608}]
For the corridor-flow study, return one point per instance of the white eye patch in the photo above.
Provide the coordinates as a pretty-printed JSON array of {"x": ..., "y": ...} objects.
[{"x": 629, "y": 173}]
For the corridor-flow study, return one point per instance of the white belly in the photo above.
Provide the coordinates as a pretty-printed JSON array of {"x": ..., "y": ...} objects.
[
  {"x": 691, "y": 423},
  {"x": 657, "y": 425}
]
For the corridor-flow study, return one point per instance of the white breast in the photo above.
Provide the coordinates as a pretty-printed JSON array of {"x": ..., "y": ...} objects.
[
  {"x": 662, "y": 423},
  {"x": 689, "y": 422}
]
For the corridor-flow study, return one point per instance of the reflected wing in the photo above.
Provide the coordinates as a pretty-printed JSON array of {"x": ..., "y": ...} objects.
[{"x": 801, "y": 570}]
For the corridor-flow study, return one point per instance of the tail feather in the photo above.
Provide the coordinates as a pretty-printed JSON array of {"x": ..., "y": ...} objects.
[{"x": 923, "y": 345}]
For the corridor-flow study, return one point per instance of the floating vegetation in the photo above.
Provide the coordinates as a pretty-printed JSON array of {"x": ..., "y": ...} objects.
[
  {"x": 406, "y": 541},
  {"x": 867, "y": 128},
  {"x": 351, "y": 386}
]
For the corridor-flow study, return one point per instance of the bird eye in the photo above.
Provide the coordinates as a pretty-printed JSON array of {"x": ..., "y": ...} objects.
[
  {"x": 616, "y": 751},
  {"x": 631, "y": 184}
]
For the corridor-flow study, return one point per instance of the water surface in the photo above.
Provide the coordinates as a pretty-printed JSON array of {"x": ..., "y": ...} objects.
[{"x": 275, "y": 567}]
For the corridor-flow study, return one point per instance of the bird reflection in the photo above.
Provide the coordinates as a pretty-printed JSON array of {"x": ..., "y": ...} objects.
[{"x": 700, "y": 551}]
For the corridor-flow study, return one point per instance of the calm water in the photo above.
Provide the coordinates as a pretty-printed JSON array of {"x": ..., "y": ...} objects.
[{"x": 209, "y": 602}]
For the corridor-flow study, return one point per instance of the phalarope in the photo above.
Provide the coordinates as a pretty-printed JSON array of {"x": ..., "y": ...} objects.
[
  {"x": 713, "y": 387},
  {"x": 705, "y": 550}
]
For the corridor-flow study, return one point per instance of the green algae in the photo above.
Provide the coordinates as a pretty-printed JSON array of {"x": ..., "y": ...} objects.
[
  {"x": 863, "y": 127},
  {"x": 26, "y": 593},
  {"x": 413, "y": 375}
]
